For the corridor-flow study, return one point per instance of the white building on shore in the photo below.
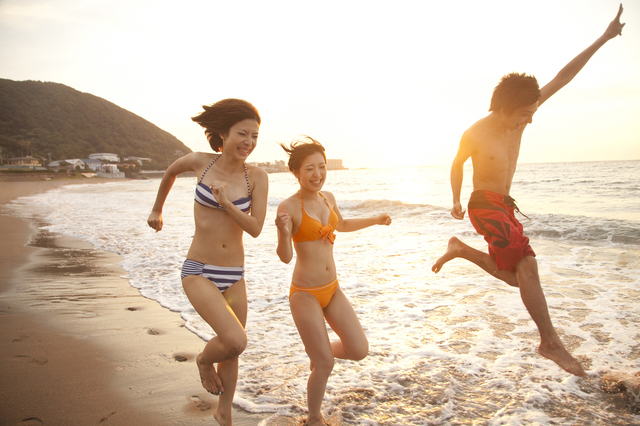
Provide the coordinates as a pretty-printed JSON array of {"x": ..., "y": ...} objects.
[
  {"x": 105, "y": 156},
  {"x": 110, "y": 171},
  {"x": 68, "y": 164},
  {"x": 334, "y": 164},
  {"x": 139, "y": 160}
]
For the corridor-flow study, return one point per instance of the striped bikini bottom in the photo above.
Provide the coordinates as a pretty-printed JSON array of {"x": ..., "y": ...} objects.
[{"x": 222, "y": 276}]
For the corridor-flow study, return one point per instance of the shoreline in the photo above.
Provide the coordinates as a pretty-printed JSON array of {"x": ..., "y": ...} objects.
[{"x": 79, "y": 344}]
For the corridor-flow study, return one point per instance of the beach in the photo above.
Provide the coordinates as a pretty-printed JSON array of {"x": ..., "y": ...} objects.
[
  {"x": 101, "y": 354},
  {"x": 97, "y": 324}
]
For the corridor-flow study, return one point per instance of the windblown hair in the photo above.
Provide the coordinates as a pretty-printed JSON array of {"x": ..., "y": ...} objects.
[
  {"x": 301, "y": 149},
  {"x": 219, "y": 117},
  {"x": 514, "y": 91}
]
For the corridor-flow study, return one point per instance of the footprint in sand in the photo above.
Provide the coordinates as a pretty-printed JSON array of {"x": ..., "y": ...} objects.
[
  {"x": 38, "y": 361},
  {"x": 31, "y": 421},
  {"x": 182, "y": 357},
  {"x": 20, "y": 339},
  {"x": 200, "y": 404},
  {"x": 277, "y": 420},
  {"x": 105, "y": 418},
  {"x": 620, "y": 382}
]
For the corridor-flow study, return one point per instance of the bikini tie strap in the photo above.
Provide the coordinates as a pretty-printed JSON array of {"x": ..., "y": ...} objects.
[{"x": 327, "y": 232}]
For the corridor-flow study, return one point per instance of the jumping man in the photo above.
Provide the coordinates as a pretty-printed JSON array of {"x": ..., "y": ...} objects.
[{"x": 493, "y": 143}]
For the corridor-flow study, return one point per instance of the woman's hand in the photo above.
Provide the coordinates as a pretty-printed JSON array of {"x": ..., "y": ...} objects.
[
  {"x": 155, "y": 221},
  {"x": 219, "y": 191},
  {"x": 283, "y": 223}
]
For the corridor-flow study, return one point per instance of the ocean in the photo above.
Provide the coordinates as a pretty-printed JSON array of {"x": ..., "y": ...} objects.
[{"x": 453, "y": 348}]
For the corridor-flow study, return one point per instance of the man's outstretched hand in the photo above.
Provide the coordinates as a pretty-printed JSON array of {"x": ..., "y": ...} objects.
[{"x": 615, "y": 27}]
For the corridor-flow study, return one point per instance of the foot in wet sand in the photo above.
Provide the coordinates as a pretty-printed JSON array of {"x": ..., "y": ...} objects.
[
  {"x": 223, "y": 419},
  {"x": 454, "y": 248},
  {"x": 209, "y": 377},
  {"x": 315, "y": 421},
  {"x": 563, "y": 358}
]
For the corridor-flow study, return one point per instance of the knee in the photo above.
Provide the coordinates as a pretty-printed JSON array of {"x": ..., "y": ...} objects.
[
  {"x": 359, "y": 353},
  {"x": 511, "y": 279},
  {"x": 323, "y": 365},
  {"x": 527, "y": 270},
  {"x": 235, "y": 346}
]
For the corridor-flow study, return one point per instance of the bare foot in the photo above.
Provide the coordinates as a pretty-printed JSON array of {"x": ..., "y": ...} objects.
[
  {"x": 563, "y": 358},
  {"x": 209, "y": 377},
  {"x": 453, "y": 250},
  {"x": 315, "y": 421},
  {"x": 222, "y": 419}
]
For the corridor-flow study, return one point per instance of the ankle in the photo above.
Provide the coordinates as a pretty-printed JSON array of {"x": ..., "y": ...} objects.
[
  {"x": 551, "y": 345},
  {"x": 315, "y": 419}
]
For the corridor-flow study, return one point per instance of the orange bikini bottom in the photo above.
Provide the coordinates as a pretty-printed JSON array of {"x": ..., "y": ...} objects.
[{"x": 323, "y": 293}]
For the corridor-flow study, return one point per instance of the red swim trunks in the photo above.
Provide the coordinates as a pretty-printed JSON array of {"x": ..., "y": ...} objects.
[{"x": 492, "y": 215}]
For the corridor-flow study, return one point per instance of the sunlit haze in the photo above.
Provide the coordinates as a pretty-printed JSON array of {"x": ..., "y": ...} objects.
[{"x": 380, "y": 84}]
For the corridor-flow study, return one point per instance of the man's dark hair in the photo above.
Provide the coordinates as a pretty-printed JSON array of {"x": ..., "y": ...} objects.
[{"x": 514, "y": 91}]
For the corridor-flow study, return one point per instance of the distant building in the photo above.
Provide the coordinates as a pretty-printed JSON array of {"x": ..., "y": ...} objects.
[
  {"x": 108, "y": 168},
  {"x": 275, "y": 167},
  {"x": 110, "y": 171},
  {"x": 92, "y": 164},
  {"x": 138, "y": 160},
  {"x": 334, "y": 164},
  {"x": 105, "y": 156},
  {"x": 24, "y": 161},
  {"x": 279, "y": 166},
  {"x": 71, "y": 164}
]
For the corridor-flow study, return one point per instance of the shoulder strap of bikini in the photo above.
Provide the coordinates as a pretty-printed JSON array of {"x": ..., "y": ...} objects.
[
  {"x": 211, "y": 164},
  {"x": 247, "y": 178},
  {"x": 326, "y": 201}
]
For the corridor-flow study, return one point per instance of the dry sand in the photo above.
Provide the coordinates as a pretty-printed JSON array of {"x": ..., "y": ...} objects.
[{"x": 79, "y": 345}]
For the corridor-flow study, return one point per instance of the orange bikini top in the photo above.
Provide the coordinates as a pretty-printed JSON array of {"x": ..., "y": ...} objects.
[{"x": 312, "y": 229}]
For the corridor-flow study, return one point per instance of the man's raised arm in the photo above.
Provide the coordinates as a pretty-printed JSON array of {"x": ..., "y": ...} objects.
[{"x": 570, "y": 70}]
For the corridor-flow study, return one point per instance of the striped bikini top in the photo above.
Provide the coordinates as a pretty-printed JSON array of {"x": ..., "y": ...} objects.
[{"x": 205, "y": 197}]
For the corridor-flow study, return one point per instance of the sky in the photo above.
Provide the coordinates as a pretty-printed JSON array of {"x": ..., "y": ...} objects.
[{"x": 379, "y": 84}]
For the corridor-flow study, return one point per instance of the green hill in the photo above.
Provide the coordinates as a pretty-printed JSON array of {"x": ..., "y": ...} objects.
[{"x": 54, "y": 121}]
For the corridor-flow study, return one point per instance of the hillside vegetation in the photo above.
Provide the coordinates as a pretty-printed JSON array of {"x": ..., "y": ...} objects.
[{"x": 52, "y": 121}]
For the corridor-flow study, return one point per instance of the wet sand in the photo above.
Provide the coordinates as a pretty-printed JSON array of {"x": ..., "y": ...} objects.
[{"x": 79, "y": 345}]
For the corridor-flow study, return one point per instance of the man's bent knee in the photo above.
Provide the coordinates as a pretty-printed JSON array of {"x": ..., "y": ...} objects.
[{"x": 527, "y": 268}]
